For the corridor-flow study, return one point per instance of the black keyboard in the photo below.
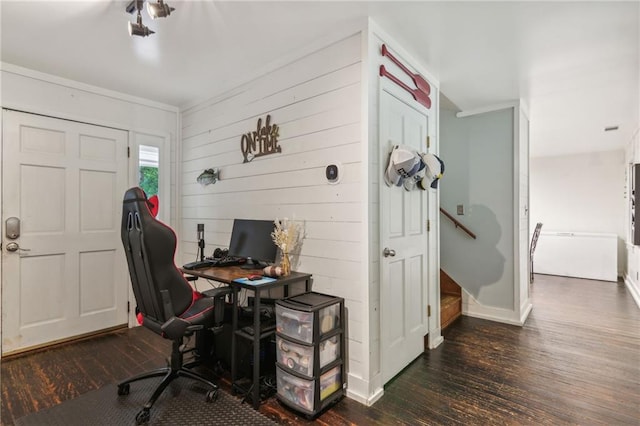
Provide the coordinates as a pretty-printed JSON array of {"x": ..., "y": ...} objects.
[
  {"x": 225, "y": 261},
  {"x": 198, "y": 264}
]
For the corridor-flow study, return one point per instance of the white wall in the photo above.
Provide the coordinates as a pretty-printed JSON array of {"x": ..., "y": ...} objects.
[
  {"x": 316, "y": 102},
  {"x": 478, "y": 156},
  {"x": 581, "y": 193}
]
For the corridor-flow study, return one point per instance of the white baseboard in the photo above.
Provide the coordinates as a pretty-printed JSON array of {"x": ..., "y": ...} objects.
[
  {"x": 434, "y": 343},
  {"x": 357, "y": 390},
  {"x": 634, "y": 289},
  {"x": 472, "y": 308},
  {"x": 525, "y": 310}
]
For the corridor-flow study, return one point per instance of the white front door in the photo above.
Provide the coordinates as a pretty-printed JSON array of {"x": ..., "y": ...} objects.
[
  {"x": 403, "y": 217},
  {"x": 63, "y": 181}
]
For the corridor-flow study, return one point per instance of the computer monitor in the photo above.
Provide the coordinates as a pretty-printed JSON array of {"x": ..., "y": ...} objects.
[{"x": 252, "y": 240}]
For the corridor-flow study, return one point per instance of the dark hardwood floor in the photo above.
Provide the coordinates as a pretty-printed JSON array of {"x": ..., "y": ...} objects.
[{"x": 576, "y": 361}]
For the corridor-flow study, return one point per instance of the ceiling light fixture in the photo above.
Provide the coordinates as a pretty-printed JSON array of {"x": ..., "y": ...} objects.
[
  {"x": 159, "y": 9},
  {"x": 138, "y": 28},
  {"x": 155, "y": 10}
]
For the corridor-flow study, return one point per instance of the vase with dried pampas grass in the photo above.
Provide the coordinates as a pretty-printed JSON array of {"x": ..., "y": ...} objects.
[{"x": 286, "y": 236}]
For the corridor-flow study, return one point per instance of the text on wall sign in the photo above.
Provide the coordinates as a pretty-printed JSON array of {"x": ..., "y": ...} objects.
[{"x": 262, "y": 141}]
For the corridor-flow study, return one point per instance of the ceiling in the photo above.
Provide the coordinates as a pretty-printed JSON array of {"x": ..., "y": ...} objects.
[{"x": 575, "y": 64}]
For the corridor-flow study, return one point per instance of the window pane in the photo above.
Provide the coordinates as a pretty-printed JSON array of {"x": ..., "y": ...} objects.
[{"x": 148, "y": 169}]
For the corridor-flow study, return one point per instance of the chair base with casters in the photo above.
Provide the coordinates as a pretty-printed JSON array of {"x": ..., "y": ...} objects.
[
  {"x": 176, "y": 329},
  {"x": 171, "y": 372}
]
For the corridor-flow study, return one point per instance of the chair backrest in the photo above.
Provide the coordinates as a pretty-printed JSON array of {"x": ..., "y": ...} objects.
[
  {"x": 150, "y": 247},
  {"x": 534, "y": 238}
]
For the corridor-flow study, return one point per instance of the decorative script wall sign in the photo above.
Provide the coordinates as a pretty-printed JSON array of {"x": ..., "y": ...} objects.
[{"x": 262, "y": 141}]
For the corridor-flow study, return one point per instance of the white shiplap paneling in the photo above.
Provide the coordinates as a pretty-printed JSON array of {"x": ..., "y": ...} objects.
[{"x": 316, "y": 102}]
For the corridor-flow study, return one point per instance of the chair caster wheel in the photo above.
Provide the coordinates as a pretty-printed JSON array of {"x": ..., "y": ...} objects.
[
  {"x": 123, "y": 389},
  {"x": 212, "y": 395},
  {"x": 143, "y": 416}
]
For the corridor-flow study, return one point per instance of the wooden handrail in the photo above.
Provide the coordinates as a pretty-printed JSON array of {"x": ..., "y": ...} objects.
[{"x": 457, "y": 223}]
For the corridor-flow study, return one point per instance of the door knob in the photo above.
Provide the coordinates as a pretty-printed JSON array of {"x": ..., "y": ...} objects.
[
  {"x": 13, "y": 246},
  {"x": 388, "y": 252}
]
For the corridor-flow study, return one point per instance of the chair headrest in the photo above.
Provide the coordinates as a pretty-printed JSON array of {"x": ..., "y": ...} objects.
[{"x": 134, "y": 194}]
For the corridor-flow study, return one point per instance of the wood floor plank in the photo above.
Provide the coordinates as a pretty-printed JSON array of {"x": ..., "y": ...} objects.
[{"x": 575, "y": 361}]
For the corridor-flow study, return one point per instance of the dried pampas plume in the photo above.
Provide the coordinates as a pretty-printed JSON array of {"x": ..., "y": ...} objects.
[{"x": 286, "y": 234}]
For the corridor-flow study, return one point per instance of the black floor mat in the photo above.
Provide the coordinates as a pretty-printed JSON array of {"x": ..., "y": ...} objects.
[{"x": 182, "y": 403}]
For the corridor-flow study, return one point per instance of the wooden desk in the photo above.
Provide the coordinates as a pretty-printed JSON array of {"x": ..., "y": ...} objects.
[{"x": 228, "y": 274}]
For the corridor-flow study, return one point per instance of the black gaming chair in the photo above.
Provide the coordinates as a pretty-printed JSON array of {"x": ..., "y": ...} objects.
[{"x": 167, "y": 304}]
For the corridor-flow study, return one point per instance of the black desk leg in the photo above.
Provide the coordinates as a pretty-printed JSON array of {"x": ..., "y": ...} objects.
[
  {"x": 256, "y": 349},
  {"x": 234, "y": 328}
]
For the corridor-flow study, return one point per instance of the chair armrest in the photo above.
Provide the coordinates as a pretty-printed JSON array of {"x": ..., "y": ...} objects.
[{"x": 175, "y": 328}]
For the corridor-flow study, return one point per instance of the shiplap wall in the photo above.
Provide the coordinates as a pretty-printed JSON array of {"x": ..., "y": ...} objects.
[{"x": 316, "y": 102}]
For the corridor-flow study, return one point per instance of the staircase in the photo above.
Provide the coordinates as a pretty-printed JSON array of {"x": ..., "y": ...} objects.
[{"x": 450, "y": 300}]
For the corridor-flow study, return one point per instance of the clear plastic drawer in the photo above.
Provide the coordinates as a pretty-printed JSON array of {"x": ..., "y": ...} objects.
[
  {"x": 295, "y": 324},
  {"x": 298, "y": 391},
  {"x": 296, "y": 357},
  {"x": 298, "y": 324},
  {"x": 302, "y": 392},
  {"x": 300, "y": 358}
]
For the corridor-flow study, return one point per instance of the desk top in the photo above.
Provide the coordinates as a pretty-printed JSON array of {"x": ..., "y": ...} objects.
[{"x": 227, "y": 274}]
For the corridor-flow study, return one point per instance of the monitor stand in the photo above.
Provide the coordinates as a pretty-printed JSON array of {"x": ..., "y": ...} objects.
[{"x": 253, "y": 264}]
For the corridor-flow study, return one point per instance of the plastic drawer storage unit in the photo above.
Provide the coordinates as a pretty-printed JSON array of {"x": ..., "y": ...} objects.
[{"x": 309, "y": 351}]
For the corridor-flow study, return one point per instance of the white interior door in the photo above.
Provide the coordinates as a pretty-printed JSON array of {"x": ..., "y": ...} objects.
[
  {"x": 64, "y": 182},
  {"x": 403, "y": 216}
]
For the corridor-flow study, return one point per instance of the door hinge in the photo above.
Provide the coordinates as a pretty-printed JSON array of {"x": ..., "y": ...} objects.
[
  {"x": 428, "y": 142},
  {"x": 128, "y": 307},
  {"x": 428, "y": 225},
  {"x": 428, "y": 310},
  {"x": 128, "y": 152}
]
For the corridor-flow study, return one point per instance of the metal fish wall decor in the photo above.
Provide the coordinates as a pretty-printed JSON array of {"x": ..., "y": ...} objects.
[{"x": 208, "y": 177}]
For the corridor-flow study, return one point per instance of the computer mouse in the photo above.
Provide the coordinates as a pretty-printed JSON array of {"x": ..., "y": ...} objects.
[{"x": 254, "y": 277}]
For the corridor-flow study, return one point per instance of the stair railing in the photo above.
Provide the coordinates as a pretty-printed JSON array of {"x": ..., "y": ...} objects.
[{"x": 457, "y": 223}]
